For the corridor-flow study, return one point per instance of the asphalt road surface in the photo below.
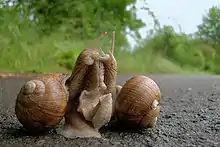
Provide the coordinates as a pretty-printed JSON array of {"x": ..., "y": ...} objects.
[{"x": 190, "y": 116}]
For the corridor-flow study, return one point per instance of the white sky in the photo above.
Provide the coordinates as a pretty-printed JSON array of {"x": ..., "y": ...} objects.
[{"x": 186, "y": 13}]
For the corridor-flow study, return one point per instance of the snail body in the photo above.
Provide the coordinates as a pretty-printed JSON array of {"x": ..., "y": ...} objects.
[
  {"x": 41, "y": 102},
  {"x": 137, "y": 103},
  {"x": 90, "y": 93}
]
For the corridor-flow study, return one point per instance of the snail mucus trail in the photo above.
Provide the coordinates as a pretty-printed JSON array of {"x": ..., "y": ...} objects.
[{"x": 91, "y": 88}]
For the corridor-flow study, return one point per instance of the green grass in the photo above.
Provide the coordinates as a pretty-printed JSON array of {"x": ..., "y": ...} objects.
[
  {"x": 152, "y": 64},
  {"x": 23, "y": 51},
  {"x": 45, "y": 56},
  {"x": 41, "y": 56}
]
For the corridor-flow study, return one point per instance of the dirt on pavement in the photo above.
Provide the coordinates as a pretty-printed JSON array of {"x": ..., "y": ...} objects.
[{"x": 190, "y": 116}]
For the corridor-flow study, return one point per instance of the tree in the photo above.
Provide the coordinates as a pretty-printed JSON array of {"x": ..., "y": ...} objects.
[
  {"x": 86, "y": 18},
  {"x": 209, "y": 30}
]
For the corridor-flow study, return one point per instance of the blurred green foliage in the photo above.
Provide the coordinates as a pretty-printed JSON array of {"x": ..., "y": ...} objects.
[{"x": 48, "y": 35}]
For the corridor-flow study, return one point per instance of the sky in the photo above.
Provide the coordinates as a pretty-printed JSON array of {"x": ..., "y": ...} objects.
[{"x": 188, "y": 14}]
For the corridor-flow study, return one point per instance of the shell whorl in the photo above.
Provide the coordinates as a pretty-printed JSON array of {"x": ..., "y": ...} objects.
[
  {"x": 29, "y": 87},
  {"x": 31, "y": 91}
]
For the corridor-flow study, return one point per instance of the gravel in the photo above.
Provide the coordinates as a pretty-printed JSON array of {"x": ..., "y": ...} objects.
[{"x": 190, "y": 116}]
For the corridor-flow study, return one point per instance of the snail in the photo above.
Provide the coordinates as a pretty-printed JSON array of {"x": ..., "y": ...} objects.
[
  {"x": 103, "y": 89},
  {"x": 91, "y": 88},
  {"x": 88, "y": 98},
  {"x": 41, "y": 102},
  {"x": 137, "y": 103}
]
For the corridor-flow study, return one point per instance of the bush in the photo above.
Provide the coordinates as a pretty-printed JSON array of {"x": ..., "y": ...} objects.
[{"x": 51, "y": 41}]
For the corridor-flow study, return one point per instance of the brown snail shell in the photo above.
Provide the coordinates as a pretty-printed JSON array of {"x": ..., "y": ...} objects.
[
  {"x": 137, "y": 103},
  {"x": 41, "y": 102}
]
